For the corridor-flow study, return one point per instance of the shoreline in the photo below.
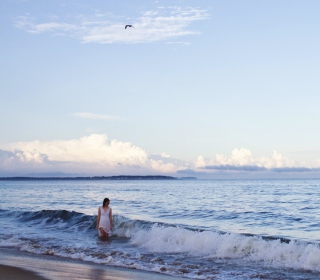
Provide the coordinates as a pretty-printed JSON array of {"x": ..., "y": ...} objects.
[{"x": 15, "y": 265}]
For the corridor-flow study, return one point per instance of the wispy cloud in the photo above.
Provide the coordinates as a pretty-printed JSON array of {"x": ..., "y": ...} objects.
[
  {"x": 162, "y": 24},
  {"x": 178, "y": 43},
  {"x": 92, "y": 116}
]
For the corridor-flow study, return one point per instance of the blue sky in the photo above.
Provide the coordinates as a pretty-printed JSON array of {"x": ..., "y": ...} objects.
[{"x": 213, "y": 89}]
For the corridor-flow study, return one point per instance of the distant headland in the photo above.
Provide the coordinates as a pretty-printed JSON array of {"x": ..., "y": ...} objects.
[{"x": 113, "y": 178}]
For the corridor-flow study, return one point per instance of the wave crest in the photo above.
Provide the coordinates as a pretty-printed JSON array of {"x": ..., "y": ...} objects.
[
  {"x": 173, "y": 239},
  {"x": 210, "y": 244}
]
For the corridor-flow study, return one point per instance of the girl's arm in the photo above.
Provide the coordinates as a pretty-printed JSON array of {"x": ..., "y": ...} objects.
[
  {"x": 110, "y": 217},
  {"x": 98, "y": 219}
]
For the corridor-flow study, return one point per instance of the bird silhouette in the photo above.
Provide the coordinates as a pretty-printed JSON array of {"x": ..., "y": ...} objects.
[{"x": 129, "y": 25}]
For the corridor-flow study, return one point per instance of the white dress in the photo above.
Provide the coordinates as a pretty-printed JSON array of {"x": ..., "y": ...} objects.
[{"x": 104, "y": 220}]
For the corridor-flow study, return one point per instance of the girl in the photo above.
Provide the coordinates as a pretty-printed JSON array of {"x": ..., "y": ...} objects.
[{"x": 104, "y": 219}]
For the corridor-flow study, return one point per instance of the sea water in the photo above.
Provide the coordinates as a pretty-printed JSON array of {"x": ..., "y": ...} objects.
[{"x": 200, "y": 229}]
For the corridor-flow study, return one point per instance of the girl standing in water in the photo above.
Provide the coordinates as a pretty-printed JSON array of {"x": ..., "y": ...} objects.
[{"x": 104, "y": 219}]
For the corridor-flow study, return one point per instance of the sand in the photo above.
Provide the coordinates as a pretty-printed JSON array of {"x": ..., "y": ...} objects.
[
  {"x": 16, "y": 265},
  {"x": 15, "y": 273}
]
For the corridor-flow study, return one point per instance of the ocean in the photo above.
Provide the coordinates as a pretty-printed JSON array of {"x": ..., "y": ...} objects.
[{"x": 198, "y": 229}]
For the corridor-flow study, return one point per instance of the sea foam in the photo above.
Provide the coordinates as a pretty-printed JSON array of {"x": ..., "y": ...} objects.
[
  {"x": 209, "y": 244},
  {"x": 158, "y": 238}
]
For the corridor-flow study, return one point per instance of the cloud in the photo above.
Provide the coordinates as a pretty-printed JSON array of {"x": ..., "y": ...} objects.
[
  {"x": 95, "y": 148},
  {"x": 191, "y": 172},
  {"x": 165, "y": 163},
  {"x": 159, "y": 165},
  {"x": 165, "y": 155},
  {"x": 161, "y": 24},
  {"x": 96, "y": 154},
  {"x": 178, "y": 43},
  {"x": 28, "y": 23},
  {"x": 93, "y": 116},
  {"x": 243, "y": 157},
  {"x": 229, "y": 167},
  {"x": 93, "y": 154},
  {"x": 18, "y": 156},
  {"x": 294, "y": 169},
  {"x": 243, "y": 161},
  {"x": 12, "y": 163}
]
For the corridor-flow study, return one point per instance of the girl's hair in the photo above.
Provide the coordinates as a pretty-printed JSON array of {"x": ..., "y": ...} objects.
[{"x": 105, "y": 201}]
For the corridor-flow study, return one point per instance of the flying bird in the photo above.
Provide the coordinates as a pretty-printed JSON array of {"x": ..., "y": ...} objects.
[{"x": 129, "y": 25}]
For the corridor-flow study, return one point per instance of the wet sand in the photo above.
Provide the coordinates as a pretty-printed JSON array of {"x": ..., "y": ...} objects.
[
  {"x": 15, "y": 273},
  {"x": 16, "y": 265}
]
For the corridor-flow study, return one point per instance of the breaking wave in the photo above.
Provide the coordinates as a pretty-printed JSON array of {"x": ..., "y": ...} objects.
[{"x": 157, "y": 238}]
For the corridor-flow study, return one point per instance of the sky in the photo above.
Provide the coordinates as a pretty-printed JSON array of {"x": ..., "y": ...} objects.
[{"x": 211, "y": 89}]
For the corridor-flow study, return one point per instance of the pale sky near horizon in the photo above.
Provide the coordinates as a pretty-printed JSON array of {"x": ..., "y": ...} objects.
[{"x": 213, "y": 89}]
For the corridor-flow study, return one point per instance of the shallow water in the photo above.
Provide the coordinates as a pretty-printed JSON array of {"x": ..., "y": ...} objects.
[{"x": 237, "y": 229}]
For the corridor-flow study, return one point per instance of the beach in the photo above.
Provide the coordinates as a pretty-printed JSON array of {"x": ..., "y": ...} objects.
[
  {"x": 15, "y": 265},
  {"x": 15, "y": 273}
]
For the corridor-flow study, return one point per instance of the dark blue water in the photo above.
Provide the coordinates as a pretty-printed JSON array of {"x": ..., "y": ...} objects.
[{"x": 198, "y": 229}]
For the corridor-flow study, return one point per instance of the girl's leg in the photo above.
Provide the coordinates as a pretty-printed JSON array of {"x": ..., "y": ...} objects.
[{"x": 103, "y": 233}]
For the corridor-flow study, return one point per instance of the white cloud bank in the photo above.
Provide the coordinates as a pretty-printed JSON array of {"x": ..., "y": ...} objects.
[
  {"x": 95, "y": 148},
  {"x": 162, "y": 24},
  {"x": 244, "y": 157},
  {"x": 242, "y": 160},
  {"x": 96, "y": 155},
  {"x": 91, "y": 155}
]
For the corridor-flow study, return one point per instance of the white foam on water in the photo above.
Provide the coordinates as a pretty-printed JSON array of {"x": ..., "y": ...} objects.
[
  {"x": 204, "y": 246},
  {"x": 11, "y": 242},
  {"x": 162, "y": 239}
]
